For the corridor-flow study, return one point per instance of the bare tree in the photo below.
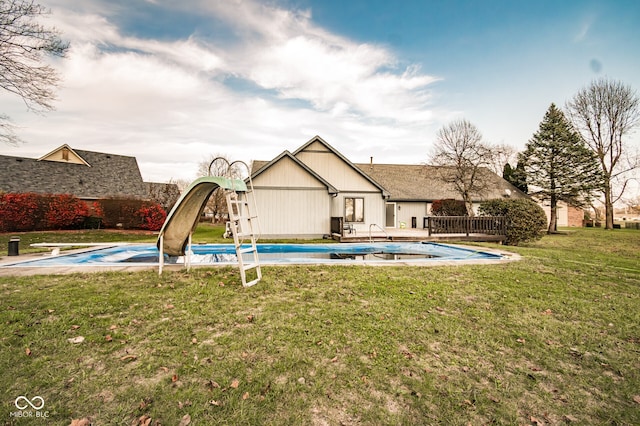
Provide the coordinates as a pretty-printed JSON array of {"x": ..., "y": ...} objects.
[
  {"x": 460, "y": 152},
  {"x": 604, "y": 113},
  {"x": 218, "y": 165},
  {"x": 23, "y": 46},
  {"x": 501, "y": 155}
]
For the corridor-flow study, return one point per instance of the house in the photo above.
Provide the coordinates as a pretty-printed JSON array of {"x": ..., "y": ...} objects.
[
  {"x": 566, "y": 214},
  {"x": 298, "y": 193},
  {"x": 301, "y": 194},
  {"x": 86, "y": 174},
  {"x": 413, "y": 189}
]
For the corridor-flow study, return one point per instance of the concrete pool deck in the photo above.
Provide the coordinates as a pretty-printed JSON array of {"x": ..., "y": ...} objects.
[{"x": 8, "y": 269}]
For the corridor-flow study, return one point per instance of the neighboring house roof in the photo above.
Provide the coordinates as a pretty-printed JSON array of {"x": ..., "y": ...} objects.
[
  {"x": 424, "y": 183},
  {"x": 261, "y": 166},
  {"x": 85, "y": 174}
]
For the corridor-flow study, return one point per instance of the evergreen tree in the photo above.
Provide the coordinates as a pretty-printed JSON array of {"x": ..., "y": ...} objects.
[
  {"x": 507, "y": 172},
  {"x": 519, "y": 176},
  {"x": 559, "y": 166},
  {"x": 516, "y": 177}
]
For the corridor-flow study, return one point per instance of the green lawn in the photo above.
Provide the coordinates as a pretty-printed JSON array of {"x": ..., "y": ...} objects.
[{"x": 552, "y": 339}]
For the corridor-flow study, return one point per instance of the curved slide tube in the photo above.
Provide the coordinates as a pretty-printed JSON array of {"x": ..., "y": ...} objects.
[{"x": 183, "y": 218}]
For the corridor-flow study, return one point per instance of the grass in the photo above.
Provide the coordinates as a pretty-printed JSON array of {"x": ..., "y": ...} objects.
[{"x": 552, "y": 339}]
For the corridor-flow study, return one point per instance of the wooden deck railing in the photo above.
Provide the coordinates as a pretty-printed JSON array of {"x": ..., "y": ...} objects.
[{"x": 488, "y": 225}]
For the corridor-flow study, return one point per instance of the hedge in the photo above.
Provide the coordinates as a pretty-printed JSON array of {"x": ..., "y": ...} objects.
[
  {"x": 526, "y": 220},
  {"x": 22, "y": 212},
  {"x": 130, "y": 213}
]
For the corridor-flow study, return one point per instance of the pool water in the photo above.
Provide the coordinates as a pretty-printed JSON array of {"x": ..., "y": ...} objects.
[{"x": 221, "y": 254}]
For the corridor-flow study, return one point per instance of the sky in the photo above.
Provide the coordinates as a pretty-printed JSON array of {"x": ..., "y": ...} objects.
[{"x": 174, "y": 83}]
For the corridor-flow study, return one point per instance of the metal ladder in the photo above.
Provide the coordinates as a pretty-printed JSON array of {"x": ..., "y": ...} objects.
[{"x": 242, "y": 226}]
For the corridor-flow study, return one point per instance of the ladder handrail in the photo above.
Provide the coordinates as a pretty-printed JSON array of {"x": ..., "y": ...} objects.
[{"x": 380, "y": 228}]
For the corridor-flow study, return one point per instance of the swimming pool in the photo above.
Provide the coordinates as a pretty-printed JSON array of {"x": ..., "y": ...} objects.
[{"x": 224, "y": 254}]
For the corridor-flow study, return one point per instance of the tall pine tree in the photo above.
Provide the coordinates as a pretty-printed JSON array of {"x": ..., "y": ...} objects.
[{"x": 559, "y": 166}]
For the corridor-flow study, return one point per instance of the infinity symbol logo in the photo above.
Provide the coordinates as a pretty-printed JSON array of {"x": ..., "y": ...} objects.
[{"x": 33, "y": 402}]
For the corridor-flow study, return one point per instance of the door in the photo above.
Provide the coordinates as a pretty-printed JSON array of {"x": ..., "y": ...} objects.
[{"x": 390, "y": 221}]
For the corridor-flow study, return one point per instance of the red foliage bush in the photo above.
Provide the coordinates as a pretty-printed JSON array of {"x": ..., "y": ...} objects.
[
  {"x": 35, "y": 212},
  {"x": 65, "y": 212},
  {"x": 20, "y": 212},
  {"x": 152, "y": 216},
  {"x": 448, "y": 207}
]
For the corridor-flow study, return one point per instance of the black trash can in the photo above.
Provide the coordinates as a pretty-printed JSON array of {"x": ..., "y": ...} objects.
[{"x": 14, "y": 243}]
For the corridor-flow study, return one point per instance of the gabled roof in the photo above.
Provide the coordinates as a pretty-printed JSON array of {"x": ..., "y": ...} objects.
[
  {"x": 109, "y": 175},
  {"x": 424, "y": 183},
  {"x": 261, "y": 166},
  {"x": 317, "y": 138},
  {"x": 64, "y": 154}
]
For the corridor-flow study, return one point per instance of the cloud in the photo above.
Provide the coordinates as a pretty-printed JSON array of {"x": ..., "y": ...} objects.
[{"x": 172, "y": 102}]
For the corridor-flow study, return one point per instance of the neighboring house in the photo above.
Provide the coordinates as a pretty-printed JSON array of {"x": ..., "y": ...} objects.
[
  {"x": 566, "y": 214},
  {"x": 86, "y": 174},
  {"x": 297, "y": 194}
]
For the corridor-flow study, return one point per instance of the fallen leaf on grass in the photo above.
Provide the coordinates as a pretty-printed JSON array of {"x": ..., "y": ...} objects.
[
  {"x": 145, "y": 403},
  {"x": 143, "y": 421},
  {"x": 636, "y": 399},
  {"x": 129, "y": 358},
  {"x": 78, "y": 339},
  {"x": 187, "y": 403},
  {"x": 169, "y": 306},
  {"x": 216, "y": 403},
  {"x": 80, "y": 422},
  {"x": 28, "y": 352},
  {"x": 186, "y": 419},
  {"x": 334, "y": 359},
  {"x": 234, "y": 384},
  {"x": 250, "y": 318},
  {"x": 113, "y": 327},
  {"x": 569, "y": 419},
  {"x": 521, "y": 340},
  {"x": 536, "y": 421},
  {"x": 212, "y": 385},
  {"x": 174, "y": 378},
  {"x": 548, "y": 312},
  {"x": 108, "y": 338},
  {"x": 194, "y": 341},
  {"x": 75, "y": 327},
  {"x": 245, "y": 396}
]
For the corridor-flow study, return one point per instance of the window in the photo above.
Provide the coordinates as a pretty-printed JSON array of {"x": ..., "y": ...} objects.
[{"x": 354, "y": 209}]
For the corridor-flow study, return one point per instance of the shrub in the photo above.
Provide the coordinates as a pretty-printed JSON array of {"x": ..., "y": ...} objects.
[
  {"x": 152, "y": 216},
  {"x": 448, "y": 207},
  {"x": 526, "y": 220},
  {"x": 120, "y": 212},
  {"x": 21, "y": 212},
  {"x": 65, "y": 211},
  {"x": 130, "y": 213}
]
